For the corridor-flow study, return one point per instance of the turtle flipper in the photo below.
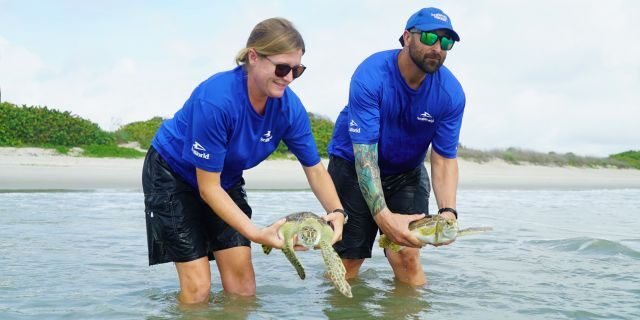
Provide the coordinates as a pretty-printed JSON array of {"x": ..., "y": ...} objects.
[
  {"x": 385, "y": 242},
  {"x": 266, "y": 249},
  {"x": 468, "y": 231},
  {"x": 291, "y": 256},
  {"x": 335, "y": 268}
]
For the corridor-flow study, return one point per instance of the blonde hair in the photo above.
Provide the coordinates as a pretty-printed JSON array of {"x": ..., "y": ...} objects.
[{"x": 270, "y": 37}]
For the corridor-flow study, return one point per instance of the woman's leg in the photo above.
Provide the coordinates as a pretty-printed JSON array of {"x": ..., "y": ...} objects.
[
  {"x": 195, "y": 280},
  {"x": 236, "y": 270}
]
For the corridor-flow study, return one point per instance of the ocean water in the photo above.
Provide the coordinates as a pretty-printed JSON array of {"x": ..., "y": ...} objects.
[{"x": 553, "y": 254}]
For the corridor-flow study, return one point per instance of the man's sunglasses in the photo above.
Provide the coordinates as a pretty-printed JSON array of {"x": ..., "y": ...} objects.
[
  {"x": 430, "y": 38},
  {"x": 282, "y": 70}
]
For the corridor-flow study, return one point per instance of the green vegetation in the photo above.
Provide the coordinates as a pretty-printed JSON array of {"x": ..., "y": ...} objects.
[
  {"x": 520, "y": 156},
  {"x": 111, "y": 151},
  {"x": 41, "y": 126},
  {"x": 141, "y": 132},
  {"x": 322, "y": 128},
  {"x": 49, "y": 128},
  {"x": 630, "y": 157}
]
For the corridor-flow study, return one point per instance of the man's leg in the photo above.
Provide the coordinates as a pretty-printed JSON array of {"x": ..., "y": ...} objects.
[
  {"x": 408, "y": 194},
  {"x": 353, "y": 267},
  {"x": 236, "y": 270},
  {"x": 406, "y": 266},
  {"x": 195, "y": 281},
  {"x": 360, "y": 232}
]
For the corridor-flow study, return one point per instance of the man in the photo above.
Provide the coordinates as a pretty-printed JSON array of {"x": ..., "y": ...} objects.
[{"x": 400, "y": 103}]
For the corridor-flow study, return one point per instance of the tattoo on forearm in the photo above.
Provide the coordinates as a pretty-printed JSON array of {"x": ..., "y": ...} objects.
[{"x": 366, "y": 156}]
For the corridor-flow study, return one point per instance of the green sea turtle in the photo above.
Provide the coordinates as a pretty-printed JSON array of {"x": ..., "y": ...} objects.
[
  {"x": 309, "y": 230},
  {"x": 433, "y": 230}
]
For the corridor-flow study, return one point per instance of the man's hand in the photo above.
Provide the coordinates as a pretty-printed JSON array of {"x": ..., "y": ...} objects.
[
  {"x": 396, "y": 227},
  {"x": 336, "y": 220},
  {"x": 448, "y": 216}
]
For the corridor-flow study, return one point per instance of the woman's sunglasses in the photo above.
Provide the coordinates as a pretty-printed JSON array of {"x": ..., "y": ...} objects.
[
  {"x": 282, "y": 70},
  {"x": 430, "y": 38}
]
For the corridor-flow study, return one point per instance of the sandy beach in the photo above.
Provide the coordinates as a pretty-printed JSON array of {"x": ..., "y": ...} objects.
[{"x": 42, "y": 169}]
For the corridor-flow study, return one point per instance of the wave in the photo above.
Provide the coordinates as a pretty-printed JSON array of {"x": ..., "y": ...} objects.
[{"x": 587, "y": 245}]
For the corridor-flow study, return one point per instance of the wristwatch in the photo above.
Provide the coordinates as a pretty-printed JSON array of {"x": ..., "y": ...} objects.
[
  {"x": 346, "y": 217},
  {"x": 452, "y": 210}
]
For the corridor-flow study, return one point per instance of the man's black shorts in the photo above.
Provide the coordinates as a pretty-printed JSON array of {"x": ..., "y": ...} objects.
[
  {"x": 406, "y": 193},
  {"x": 181, "y": 227}
]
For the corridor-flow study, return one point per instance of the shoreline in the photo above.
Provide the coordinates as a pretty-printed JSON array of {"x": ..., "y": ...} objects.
[{"x": 35, "y": 169}]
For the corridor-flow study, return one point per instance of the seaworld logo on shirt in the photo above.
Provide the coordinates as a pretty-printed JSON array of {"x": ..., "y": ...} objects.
[
  {"x": 425, "y": 116},
  {"x": 199, "y": 151},
  {"x": 266, "y": 137},
  {"x": 353, "y": 127}
]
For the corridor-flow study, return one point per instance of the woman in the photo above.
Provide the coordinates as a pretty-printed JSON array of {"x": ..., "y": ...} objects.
[{"x": 195, "y": 202}]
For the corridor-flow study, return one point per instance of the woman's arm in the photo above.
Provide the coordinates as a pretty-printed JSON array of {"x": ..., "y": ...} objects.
[
  {"x": 323, "y": 188},
  {"x": 217, "y": 198}
]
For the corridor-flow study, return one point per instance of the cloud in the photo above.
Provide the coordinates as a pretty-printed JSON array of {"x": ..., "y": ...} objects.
[
  {"x": 563, "y": 83},
  {"x": 543, "y": 75},
  {"x": 18, "y": 68}
]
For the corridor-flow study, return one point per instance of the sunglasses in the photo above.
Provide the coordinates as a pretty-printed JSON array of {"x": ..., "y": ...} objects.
[
  {"x": 430, "y": 38},
  {"x": 282, "y": 70}
]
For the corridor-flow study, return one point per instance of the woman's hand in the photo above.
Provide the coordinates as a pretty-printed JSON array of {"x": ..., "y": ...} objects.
[
  {"x": 269, "y": 236},
  {"x": 336, "y": 220}
]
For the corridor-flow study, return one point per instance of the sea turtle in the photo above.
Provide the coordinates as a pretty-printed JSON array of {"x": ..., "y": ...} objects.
[
  {"x": 433, "y": 230},
  {"x": 309, "y": 230}
]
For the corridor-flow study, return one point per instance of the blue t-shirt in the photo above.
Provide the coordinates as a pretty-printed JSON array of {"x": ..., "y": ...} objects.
[
  {"x": 383, "y": 109},
  {"x": 217, "y": 130}
]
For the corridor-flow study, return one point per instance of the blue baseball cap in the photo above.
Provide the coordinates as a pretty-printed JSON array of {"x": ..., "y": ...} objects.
[{"x": 429, "y": 19}]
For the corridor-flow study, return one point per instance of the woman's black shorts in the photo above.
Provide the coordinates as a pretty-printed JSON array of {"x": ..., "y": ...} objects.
[
  {"x": 406, "y": 193},
  {"x": 181, "y": 227}
]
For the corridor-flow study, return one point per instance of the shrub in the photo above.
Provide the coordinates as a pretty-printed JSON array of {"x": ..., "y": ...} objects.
[
  {"x": 141, "y": 131},
  {"x": 37, "y": 126},
  {"x": 631, "y": 158},
  {"x": 322, "y": 129}
]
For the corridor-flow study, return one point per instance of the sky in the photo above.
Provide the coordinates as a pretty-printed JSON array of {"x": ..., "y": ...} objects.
[{"x": 545, "y": 75}]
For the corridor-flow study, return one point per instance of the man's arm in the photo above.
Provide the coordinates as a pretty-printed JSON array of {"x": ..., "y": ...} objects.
[
  {"x": 395, "y": 226},
  {"x": 366, "y": 156},
  {"x": 444, "y": 178}
]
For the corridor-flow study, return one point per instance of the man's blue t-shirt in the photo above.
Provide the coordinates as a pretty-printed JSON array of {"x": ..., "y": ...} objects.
[
  {"x": 217, "y": 130},
  {"x": 383, "y": 109}
]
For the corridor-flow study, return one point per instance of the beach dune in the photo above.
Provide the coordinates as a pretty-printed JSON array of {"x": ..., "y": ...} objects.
[{"x": 42, "y": 169}]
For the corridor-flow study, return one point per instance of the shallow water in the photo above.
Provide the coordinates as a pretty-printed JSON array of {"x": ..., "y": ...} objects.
[{"x": 558, "y": 254}]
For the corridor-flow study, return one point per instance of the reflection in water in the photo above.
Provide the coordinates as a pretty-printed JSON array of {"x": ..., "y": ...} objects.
[
  {"x": 388, "y": 299},
  {"x": 405, "y": 302},
  {"x": 220, "y": 306}
]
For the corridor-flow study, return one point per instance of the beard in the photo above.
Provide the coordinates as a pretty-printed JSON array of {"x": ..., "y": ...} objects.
[{"x": 428, "y": 62}]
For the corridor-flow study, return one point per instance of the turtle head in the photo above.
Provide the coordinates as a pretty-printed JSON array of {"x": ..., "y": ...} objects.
[
  {"x": 308, "y": 236},
  {"x": 449, "y": 230}
]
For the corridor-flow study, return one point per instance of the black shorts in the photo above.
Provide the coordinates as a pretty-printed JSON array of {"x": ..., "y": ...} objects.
[
  {"x": 181, "y": 227},
  {"x": 406, "y": 193}
]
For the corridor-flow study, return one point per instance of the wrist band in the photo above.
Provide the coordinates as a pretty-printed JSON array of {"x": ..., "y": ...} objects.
[
  {"x": 346, "y": 217},
  {"x": 452, "y": 210}
]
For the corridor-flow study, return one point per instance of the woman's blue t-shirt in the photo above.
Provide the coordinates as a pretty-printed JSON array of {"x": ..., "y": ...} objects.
[{"x": 218, "y": 130}]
